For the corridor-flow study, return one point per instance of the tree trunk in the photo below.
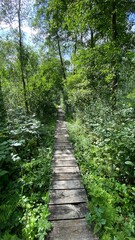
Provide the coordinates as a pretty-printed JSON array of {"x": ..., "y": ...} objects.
[
  {"x": 2, "y": 110},
  {"x": 114, "y": 21},
  {"x": 60, "y": 55},
  {"x": 21, "y": 58},
  {"x": 92, "y": 38},
  {"x": 75, "y": 47},
  {"x": 114, "y": 39},
  {"x": 92, "y": 43}
]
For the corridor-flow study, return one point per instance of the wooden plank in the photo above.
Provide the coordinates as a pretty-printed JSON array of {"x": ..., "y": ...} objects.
[
  {"x": 61, "y": 130},
  {"x": 61, "y": 114},
  {"x": 64, "y": 159},
  {"x": 67, "y": 184},
  {"x": 61, "y": 135},
  {"x": 71, "y": 230},
  {"x": 62, "y": 141},
  {"x": 68, "y": 211},
  {"x": 69, "y": 156},
  {"x": 64, "y": 156},
  {"x": 64, "y": 144},
  {"x": 63, "y": 152},
  {"x": 61, "y": 124},
  {"x": 58, "y": 163},
  {"x": 61, "y": 138},
  {"x": 67, "y": 196},
  {"x": 65, "y": 176},
  {"x": 65, "y": 169},
  {"x": 62, "y": 147},
  {"x": 60, "y": 127}
]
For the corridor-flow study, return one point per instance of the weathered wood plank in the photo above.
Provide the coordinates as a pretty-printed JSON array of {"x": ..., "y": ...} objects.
[
  {"x": 58, "y": 163},
  {"x": 59, "y": 145},
  {"x": 59, "y": 134},
  {"x": 59, "y": 124},
  {"x": 67, "y": 196},
  {"x": 64, "y": 155},
  {"x": 64, "y": 159},
  {"x": 62, "y": 147},
  {"x": 60, "y": 114},
  {"x": 61, "y": 131},
  {"x": 63, "y": 123},
  {"x": 68, "y": 211},
  {"x": 65, "y": 176},
  {"x": 65, "y": 169},
  {"x": 64, "y": 151},
  {"x": 70, "y": 230},
  {"x": 67, "y": 184},
  {"x": 62, "y": 141},
  {"x": 60, "y": 127}
]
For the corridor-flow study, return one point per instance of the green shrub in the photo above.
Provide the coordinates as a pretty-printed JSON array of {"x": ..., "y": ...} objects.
[
  {"x": 24, "y": 199},
  {"x": 104, "y": 148}
]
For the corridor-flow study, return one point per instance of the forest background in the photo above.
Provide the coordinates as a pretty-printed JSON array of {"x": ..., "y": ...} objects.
[{"x": 81, "y": 56}]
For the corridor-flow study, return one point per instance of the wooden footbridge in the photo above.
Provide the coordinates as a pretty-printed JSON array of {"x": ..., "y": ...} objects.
[{"x": 68, "y": 199}]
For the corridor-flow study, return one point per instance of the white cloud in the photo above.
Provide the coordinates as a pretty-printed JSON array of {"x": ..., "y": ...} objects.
[
  {"x": 133, "y": 28},
  {"x": 29, "y": 31},
  {"x": 4, "y": 25}
]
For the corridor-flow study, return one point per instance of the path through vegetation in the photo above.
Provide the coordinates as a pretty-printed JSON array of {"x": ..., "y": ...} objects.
[{"x": 68, "y": 200}]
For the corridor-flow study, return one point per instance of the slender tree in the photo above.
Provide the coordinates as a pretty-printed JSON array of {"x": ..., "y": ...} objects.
[
  {"x": 21, "y": 57},
  {"x": 10, "y": 12},
  {"x": 51, "y": 14}
]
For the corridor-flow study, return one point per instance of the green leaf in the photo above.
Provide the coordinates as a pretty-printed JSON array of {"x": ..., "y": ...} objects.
[
  {"x": 129, "y": 163},
  {"x": 3, "y": 172}
]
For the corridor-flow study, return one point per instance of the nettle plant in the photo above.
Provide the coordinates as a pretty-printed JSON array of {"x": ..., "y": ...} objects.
[
  {"x": 24, "y": 134},
  {"x": 24, "y": 198}
]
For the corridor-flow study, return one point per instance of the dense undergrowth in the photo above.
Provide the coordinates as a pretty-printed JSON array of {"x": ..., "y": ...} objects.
[
  {"x": 82, "y": 52},
  {"x": 104, "y": 144},
  {"x": 24, "y": 196}
]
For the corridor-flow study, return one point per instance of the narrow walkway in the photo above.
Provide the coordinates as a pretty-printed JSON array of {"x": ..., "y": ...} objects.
[{"x": 68, "y": 198}]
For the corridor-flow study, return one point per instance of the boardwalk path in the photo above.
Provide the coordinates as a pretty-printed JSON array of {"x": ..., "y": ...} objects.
[{"x": 68, "y": 198}]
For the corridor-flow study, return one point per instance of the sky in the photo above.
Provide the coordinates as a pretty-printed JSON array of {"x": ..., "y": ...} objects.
[
  {"x": 25, "y": 28},
  {"x": 132, "y": 19},
  {"x": 29, "y": 31}
]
